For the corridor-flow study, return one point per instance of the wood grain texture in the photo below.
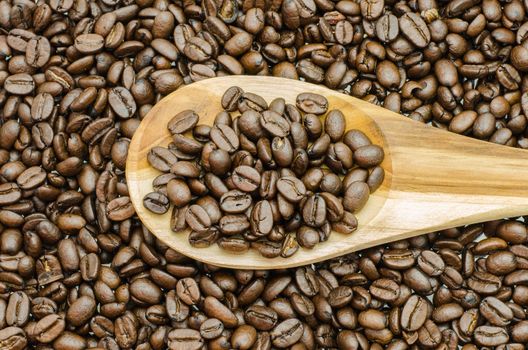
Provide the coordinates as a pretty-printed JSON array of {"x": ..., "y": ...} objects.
[{"x": 434, "y": 179}]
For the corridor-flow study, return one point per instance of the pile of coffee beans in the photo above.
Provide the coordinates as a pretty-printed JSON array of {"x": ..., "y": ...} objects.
[
  {"x": 258, "y": 179},
  {"x": 79, "y": 271}
]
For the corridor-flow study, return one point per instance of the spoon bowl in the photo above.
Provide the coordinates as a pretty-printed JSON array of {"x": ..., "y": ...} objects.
[{"x": 434, "y": 179}]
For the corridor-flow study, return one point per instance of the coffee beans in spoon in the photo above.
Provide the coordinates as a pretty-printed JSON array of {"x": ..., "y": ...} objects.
[{"x": 272, "y": 177}]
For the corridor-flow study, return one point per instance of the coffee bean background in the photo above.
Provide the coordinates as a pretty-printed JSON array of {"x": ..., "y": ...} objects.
[{"x": 77, "y": 269}]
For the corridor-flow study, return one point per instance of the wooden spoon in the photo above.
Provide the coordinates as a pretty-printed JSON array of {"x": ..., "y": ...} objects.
[{"x": 434, "y": 179}]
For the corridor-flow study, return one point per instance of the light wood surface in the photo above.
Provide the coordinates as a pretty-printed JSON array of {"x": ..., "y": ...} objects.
[{"x": 434, "y": 179}]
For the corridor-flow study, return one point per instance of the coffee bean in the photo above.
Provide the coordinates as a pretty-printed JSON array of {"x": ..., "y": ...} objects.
[
  {"x": 335, "y": 125},
  {"x": 197, "y": 49},
  {"x": 156, "y": 202},
  {"x": 415, "y": 29},
  {"x": 261, "y": 317},
  {"x": 235, "y": 202},
  {"x": 291, "y": 188},
  {"x": 490, "y": 336},
  {"x": 89, "y": 43},
  {"x": 120, "y": 209},
  {"x": 17, "y": 311},
  {"x": 314, "y": 211},
  {"x": 356, "y": 139},
  {"x": 387, "y": 28},
  {"x": 19, "y": 84},
  {"x": 312, "y": 103},
  {"x": 38, "y": 51},
  {"x": 231, "y": 97},
  {"x": 368, "y": 156},
  {"x": 185, "y": 169},
  {"x": 273, "y": 123},
  {"x": 13, "y": 338},
  {"x": 81, "y": 311},
  {"x": 287, "y": 333},
  {"x": 246, "y": 178},
  {"x": 178, "y": 192},
  {"x": 90, "y": 266},
  {"x": 179, "y": 339},
  {"x": 431, "y": 263},
  {"x": 214, "y": 308},
  {"x": 183, "y": 122},
  {"x": 234, "y": 224},
  {"x": 9, "y": 193},
  {"x": 261, "y": 218},
  {"x": 414, "y": 313},
  {"x": 197, "y": 218},
  {"x": 356, "y": 196},
  {"x": 225, "y": 138},
  {"x": 31, "y": 178},
  {"x": 49, "y": 328},
  {"x": 212, "y": 328},
  {"x": 188, "y": 291},
  {"x": 252, "y": 101},
  {"x": 307, "y": 237},
  {"x": 122, "y": 102}
]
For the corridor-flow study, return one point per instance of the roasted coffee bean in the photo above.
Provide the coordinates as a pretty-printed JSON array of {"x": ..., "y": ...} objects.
[
  {"x": 212, "y": 328},
  {"x": 335, "y": 125},
  {"x": 387, "y": 27},
  {"x": 188, "y": 291},
  {"x": 219, "y": 162},
  {"x": 287, "y": 333},
  {"x": 368, "y": 156},
  {"x": 178, "y": 192},
  {"x": 81, "y": 310},
  {"x": 414, "y": 313},
  {"x": 186, "y": 145},
  {"x": 234, "y": 224},
  {"x": 234, "y": 202},
  {"x": 356, "y": 196},
  {"x": 314, "y": 211},
  {"x": 89, "y": 43},
  {"x": 274, "y": 123},
  {"x": 415, "y": 29},
  {"x": 156, "y": 202},
  {"x": 356, "y": 139},
  {"x": 312, "y": 103},
  {"x": 291, "y": 188},
  {"x": 197, "y": 218},
  {"x": 161, "y": 158},
  {"x": 122, "y": 102},
  {"x": 490, "y": 336},
  {"x": 347, "y": 224},
  {"x": 17, "y": 311},
  {"x": 13, "y": 338},
  {"x": 179, "y": 339},
  {"x": 9, "y": 193},
  {"x": 231, "y": 97},
  {"x": 261, "y": 317},
  {"x": 19, "y": 84},
  {"x": 185, "y": 169},
  {"x": 308, "y": 237},
  {"x": 431, "y": 263},
  {"x": 261, "y": 218},
  {"x": 225, "y": 138},
  {"x": 120, "y": 209},
  {"x": 48, "y": 328},
  {"x": 246, "y": 178}
]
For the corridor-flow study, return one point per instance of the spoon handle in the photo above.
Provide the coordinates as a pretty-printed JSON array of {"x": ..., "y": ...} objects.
[{"x": 446, "y": 175}]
